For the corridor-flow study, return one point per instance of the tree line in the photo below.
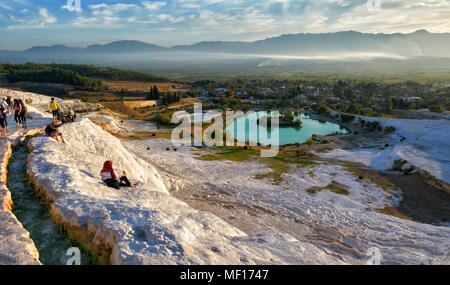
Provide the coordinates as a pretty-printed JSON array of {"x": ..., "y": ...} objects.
[
  {"x": 44, "y": 73},
  {"x": 153, "y": 94},
  {"x": 84, "y": 77},
  {"x": 109, "y": 73},
  {"x": 170, "y": 98},
  {"x": 167, "y": 98}
]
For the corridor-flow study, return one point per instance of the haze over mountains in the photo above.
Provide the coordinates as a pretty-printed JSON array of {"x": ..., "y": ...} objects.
[
  {"x": 420, "y": 55},
  {"x": 419, "y": 43}
]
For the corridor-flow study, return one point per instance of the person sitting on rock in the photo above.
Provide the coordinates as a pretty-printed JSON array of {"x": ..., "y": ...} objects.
[
  {"x": 71, "y": 116},
  {"x": 53, "y": 132},
  {"x": 110, "y": 179}
]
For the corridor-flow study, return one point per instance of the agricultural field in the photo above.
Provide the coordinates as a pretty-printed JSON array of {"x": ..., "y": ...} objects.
[{"x": 134, "y": 86}]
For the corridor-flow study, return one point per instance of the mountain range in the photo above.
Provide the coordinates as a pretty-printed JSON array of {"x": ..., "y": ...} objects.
[{"x": 419, "y": 43}]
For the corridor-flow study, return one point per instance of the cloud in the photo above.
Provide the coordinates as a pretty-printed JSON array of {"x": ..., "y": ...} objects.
[
  {"x": 244, "y": 20},
  {"x": 397, "y": 16},
  {"x": 6, "y": 7},
  {"x": 104, "y": 16},
  {"x": 42, "y": 19},
  {"x": 46, "y": 17},
  {"x": 169, "y": 18},
  {"x": 153, "y": 6}
]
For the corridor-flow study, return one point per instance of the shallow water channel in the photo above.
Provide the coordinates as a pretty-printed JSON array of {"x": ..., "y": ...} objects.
[{"x": 31, "y": 210}]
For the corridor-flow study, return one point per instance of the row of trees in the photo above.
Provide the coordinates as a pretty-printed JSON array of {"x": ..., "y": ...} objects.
[
  {"x": 109, "y": 73},
  {"x": 167, "y": 98},
  {"x": 170, "y": 98},
  {"x": 153, "y": 94},
  {"x": 86, "y": 77}
]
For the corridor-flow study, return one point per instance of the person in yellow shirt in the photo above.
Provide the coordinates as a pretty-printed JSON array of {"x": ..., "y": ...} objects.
[
  {"x": 54, "y": 107},
  {"x": 71, "y": 116}
]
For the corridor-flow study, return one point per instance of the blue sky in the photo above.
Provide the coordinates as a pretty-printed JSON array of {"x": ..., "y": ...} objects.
[{"x": 26, "y": 23}]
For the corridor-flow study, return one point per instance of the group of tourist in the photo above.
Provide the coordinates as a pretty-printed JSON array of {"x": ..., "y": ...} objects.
[
  {"x": 7, "y": 106},
  {"x": 107, "y": 173},
  {"x": 58, "y": 119}
]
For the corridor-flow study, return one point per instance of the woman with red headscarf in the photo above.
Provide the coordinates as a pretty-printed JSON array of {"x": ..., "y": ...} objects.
[{"x": 109, "y": 177}]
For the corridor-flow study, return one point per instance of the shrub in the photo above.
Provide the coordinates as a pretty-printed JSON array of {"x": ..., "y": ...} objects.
[
  {"x": 163, "y": 118},
  {"x": 373, "y": 126},
  {"x": 437, "y": 108},
  {"x": 390, "y": 130},
  {"x": 310, "y": 142},
  {"x": 347, "y": 118}
]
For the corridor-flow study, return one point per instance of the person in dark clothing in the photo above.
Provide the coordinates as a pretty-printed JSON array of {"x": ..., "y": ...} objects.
[
  {"x": 4, "y": 110},
  {"x": 110, "y": 179},
  {"x": 10, "y": 104},
  {"x": 53, "y": 132},
  {"x": 23, "y": 113},
  {"x": 3, "y": 123},
  {"x": 17, "y": 110}
]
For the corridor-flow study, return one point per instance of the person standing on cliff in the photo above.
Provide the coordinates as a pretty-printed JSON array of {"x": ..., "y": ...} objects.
[
  {"x": 10, "y": 104},
  {"x": 23, "y": 113},
  {"x": 54, "y": 107}
]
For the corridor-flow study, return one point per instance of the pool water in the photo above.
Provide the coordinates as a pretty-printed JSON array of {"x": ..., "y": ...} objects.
[{"x": 286, "y": 135}]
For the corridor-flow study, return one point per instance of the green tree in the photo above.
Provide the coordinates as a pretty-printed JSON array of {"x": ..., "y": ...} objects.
[
  {"x": 436, "y": 108},
  {"x": 389, "y": 106}
]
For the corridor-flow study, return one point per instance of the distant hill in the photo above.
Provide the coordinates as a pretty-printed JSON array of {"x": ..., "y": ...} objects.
[
  {"x": 53, "y": 49},
  {"x": 419, "y": 43},
  {"x": 124, "y": 46}
]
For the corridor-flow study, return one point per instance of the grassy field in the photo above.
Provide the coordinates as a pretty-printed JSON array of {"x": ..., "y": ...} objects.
[
  {"x": 134, "y": 86},
  {"x": 144, "y": 113}
]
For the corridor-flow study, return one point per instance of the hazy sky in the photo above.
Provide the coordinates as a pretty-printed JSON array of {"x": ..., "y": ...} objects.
[{"x": 26, "y": 23}]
